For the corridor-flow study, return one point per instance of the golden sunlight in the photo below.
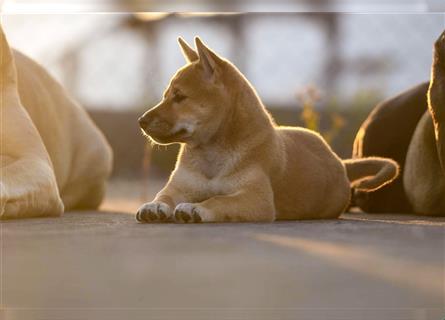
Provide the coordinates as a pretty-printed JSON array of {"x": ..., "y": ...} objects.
[{"x": 356, "y": 258}]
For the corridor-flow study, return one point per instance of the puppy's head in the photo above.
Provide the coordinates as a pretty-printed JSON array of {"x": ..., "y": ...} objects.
[{"x": 195, "y": 102}]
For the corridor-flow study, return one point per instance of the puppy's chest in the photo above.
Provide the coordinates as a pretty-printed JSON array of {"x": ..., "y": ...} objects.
[
  {"x": 208, "y": 177},
  {"x": 213, "y": 163},
  {"x": 211, "y": 168},
  {"x": 201, "y": 187}
]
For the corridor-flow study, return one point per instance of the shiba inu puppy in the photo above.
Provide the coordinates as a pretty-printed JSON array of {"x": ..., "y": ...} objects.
[
  {"x": 235, "y": 163},
  {"x": 52, "y": 156}
]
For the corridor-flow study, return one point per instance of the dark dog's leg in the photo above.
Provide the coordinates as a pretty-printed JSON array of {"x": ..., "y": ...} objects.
[
  {"x": 424, "y": 178},
  {"x": 436, "y": 97}
]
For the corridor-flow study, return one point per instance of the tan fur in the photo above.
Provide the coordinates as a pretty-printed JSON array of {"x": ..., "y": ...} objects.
[
  {"x": 52, "y": 155},
  {"x": 235, "y": 164}
]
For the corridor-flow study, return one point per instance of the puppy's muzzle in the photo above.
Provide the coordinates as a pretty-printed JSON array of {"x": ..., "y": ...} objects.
[
  {"x": 143, "y": 122},
  {"x": 154, "y": 125}
]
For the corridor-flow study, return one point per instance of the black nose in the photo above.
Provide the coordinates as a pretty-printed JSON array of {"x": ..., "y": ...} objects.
[{"x": 143, "y": 122}]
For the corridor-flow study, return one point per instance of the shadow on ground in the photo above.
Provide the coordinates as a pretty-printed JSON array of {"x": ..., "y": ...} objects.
[{"x": 105, "y": 265}]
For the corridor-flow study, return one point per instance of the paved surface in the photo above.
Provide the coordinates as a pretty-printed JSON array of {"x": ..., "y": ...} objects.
[{"x": 104, "y": 265}]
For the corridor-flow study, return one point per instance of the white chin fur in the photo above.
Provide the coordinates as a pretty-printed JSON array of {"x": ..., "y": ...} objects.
[{"x": 188, "y": 127}]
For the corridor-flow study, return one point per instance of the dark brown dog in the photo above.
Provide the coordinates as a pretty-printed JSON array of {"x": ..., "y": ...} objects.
[
  {"x": 409, "y": 129},
  {"x": 387, "y": 132}
]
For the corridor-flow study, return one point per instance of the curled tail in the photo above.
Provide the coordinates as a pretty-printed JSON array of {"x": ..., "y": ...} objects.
[{"x": 370, "y": 174}]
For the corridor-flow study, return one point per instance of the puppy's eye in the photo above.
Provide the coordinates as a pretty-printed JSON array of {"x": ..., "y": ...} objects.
[{"x": 178, "y": 97}]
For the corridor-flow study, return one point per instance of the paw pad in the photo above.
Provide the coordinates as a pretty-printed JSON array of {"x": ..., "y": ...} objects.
[
  {"x": 153, "y": 212},
  {"x": 187, "y": 212}
]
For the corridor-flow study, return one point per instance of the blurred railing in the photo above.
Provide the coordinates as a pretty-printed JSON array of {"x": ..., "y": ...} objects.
[
  {"x": 117, "y": 65},
  {"x": 45, "y": 6}
]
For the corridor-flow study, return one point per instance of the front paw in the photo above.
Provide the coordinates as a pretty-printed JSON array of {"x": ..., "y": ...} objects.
[
  {"x": 154, "y": 212},
  {"x": 191, "y": 212}
]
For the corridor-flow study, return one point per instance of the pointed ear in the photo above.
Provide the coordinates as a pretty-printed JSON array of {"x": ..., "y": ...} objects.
[
  {"x": 207, "y": 58},
  {"x": 190, "y": 55}
]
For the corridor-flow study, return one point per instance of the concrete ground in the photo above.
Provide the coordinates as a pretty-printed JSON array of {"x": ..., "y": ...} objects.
[{"x": 105, "y": 265}]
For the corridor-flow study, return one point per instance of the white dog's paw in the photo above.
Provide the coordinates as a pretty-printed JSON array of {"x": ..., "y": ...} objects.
[
  {"x": 154, "y": 212},
  {"x": 191, "y": 212}
]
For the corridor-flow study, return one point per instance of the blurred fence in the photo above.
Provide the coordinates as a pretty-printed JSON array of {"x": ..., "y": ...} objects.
[
  {"x": 57, "y": 6},
  {"x": 122, "y": 62}
]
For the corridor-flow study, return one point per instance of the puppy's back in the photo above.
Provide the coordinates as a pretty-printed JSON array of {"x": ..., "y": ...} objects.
[{"x": 314, "y": 174}]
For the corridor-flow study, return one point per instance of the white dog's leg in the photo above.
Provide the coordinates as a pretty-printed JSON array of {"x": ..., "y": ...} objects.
[
  {"x": 28, "y": 186},
  {"x": 28, "y": 189}
]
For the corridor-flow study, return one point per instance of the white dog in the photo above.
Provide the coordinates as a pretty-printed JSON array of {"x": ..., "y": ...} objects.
[{"x": 52, "y": 156}]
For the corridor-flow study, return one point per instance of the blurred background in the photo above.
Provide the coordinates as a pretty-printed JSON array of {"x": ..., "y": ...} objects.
[{"x": 323, "y": 70}]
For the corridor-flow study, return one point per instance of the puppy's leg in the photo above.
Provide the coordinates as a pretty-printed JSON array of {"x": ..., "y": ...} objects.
[
  {"x": 252, "y": 203},
  {"x": 161, "y": 208}
]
